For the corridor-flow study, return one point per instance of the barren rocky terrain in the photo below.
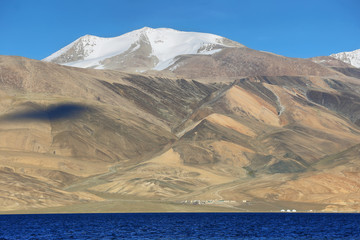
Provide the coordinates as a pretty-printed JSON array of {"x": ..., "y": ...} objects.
[{"x": 282, "y": 133}]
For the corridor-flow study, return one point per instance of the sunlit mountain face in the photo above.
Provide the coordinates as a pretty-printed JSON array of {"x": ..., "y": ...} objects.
[{"x": 165, "y": 120}]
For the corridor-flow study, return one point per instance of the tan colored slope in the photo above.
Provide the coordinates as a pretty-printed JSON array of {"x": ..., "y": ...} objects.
[
  {"x": 288, "y": 132},
  {"x": 60, "y": 124},
  {"x": 240, "y": 100},
  {"x": 308, "y": 142},
  {"x": 223, "y": 121},
  {"x": 128, "y": 92},
  {"x": 65, "y": 126},
  {"x": 312, "y": 132},
  {"x": 329, "y": 61},
  {"x": 230, "y": 123},
  {"x": 19, "y": 191},
  {"x": 307, "y": 133},
  {"x": 313, "y": 116},
  {"x": 234, "y": 101},
  {"x": 334, "y": 188},
  {"x": 162, "y": 176},
  {"x": 241, "y": 62},
  {"x": 338, "y": 188},
  {"x": 65, "y": 131},
  {"x": 47, "y": 81}
]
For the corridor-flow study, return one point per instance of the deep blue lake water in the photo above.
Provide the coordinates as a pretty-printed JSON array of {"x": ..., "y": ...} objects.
[{"x": 181, "y": 226}]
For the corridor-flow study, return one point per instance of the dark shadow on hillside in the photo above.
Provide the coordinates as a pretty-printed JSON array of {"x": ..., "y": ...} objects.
[{"x": 53, "y": 112}]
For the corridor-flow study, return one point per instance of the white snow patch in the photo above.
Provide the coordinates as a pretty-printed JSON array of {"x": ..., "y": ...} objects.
[{"x": 352, "y": 58}]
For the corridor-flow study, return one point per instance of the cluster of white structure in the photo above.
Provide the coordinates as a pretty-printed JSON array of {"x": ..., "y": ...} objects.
[
  {"x": 201, "y": 202},
  {"x": 288, "y": 210}
]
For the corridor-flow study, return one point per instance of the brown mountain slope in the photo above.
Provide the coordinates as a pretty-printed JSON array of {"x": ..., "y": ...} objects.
[
  {"x": 287, "y": 125},
  {"x": 329, "y": 61},
  {"x": 73, "y": 136},
  {"x": 337, "y": 65},
  {"x": 80, "y": 122},
  {"x": 241, "y": 62},
  {"x": 335, "y": 183}
]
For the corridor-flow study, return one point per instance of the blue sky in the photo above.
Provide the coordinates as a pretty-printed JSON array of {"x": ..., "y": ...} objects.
[{"x": 293, "y": 28}]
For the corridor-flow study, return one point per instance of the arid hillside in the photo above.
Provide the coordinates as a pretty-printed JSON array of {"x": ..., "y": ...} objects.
[
  {"x": 283, "y": 133},
  {"x": 242, "y": 62}
]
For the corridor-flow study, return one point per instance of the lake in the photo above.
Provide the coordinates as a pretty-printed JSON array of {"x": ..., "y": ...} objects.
[{"x": 181, "y": 226}]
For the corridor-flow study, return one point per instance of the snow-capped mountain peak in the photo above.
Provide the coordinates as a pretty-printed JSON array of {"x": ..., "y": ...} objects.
[
  {"x": 145, "y": 49},
  {"x": 352, "y": 58}
]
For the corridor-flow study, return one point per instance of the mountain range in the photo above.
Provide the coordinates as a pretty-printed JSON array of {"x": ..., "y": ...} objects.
[{"x": 161, "y": 120}]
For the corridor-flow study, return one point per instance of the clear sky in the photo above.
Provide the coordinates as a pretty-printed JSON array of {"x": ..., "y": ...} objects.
[{"x": 293, "y": 28}]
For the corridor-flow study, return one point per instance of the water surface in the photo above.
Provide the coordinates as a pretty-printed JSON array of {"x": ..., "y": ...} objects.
[{"x": 181, "y": 226}]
